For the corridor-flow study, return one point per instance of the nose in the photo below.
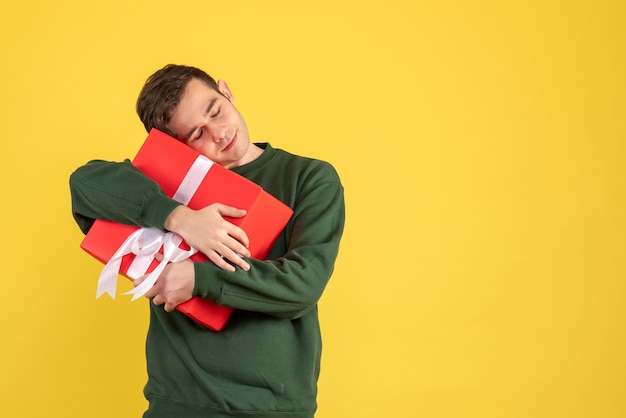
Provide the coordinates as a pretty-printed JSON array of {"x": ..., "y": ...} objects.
[{"x": 216, "y": 132}]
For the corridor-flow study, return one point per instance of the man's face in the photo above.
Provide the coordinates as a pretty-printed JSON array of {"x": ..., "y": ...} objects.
[{"x": 208, "y": 122}]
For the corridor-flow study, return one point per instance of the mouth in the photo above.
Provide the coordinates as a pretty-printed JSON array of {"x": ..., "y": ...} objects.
[{"x": 231, "y": 143}]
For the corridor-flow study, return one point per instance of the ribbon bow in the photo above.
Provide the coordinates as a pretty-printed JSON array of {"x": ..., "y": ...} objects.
[{"x": 145, "y": 244}]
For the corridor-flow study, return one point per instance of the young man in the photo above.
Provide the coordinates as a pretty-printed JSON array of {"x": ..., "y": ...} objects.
[{"x": 265, "y": 363}]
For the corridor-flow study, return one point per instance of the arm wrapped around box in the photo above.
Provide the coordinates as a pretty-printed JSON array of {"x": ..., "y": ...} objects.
[{"x": 196, "y": 182}]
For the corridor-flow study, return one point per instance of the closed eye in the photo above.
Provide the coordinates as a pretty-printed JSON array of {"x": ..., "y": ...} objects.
[{"x": 198, "y": 135}]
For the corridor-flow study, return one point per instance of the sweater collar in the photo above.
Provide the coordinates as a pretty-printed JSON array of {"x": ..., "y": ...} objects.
[{"x": 257, "y": 164}]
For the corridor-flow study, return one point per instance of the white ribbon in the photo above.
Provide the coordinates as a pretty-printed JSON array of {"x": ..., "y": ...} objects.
[
  {"x": 146, "y": 242},
  {"x": 171, "y": 253},
  {"x": 196, "y": 173}
]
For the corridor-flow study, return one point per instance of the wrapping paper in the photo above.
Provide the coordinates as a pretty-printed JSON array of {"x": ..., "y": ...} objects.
[{"x": 197, "y": 182}]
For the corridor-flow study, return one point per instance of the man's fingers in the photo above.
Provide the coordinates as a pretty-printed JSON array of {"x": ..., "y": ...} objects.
[
  {"x": 238, "y": 241},
  {"x": 227, "y": 254},
  {"x": 230, "y": 211},
  {"x": 151, "y": 293},
  {"x": 220, "y": 262},
  {"x": 236, "y": 259},
  {"x": 236, "y": 246},
  {"x": 233, "y": 230}
]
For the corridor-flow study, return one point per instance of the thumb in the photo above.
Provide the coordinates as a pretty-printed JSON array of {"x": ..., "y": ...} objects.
[{"x": 231, "y": 211}]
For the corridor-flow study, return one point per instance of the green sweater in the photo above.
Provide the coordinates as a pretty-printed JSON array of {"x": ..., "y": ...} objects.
[{"x": 266, "y": 361}]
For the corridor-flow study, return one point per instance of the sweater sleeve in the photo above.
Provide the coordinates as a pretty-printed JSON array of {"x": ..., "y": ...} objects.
[
  {"x": 290, "y": 285},
  {"x": 117, "y": 191}
]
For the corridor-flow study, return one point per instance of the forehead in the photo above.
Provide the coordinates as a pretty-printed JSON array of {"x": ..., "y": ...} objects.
[
  {"x": 196, "y": 94},
  {"x": 193, "y": 106}
]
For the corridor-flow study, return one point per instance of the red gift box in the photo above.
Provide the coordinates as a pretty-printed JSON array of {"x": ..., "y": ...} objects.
[{"x": 172, "y": 165}]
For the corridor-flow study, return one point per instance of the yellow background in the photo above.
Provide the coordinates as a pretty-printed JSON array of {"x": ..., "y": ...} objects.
[{"x": 481, "y": 145}]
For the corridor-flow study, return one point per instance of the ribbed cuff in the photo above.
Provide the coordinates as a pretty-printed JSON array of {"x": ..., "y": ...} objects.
[{"x": 207, "y": 285}]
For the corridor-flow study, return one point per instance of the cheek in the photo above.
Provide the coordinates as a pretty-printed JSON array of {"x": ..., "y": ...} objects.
[
  {"x": 206, "y": 148},
  {"x": 234, "y": 118},
  {"x": 195, "y": 145}
]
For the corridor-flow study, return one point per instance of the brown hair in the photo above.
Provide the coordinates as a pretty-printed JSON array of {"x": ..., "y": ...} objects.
[{"x": 162, "y": 92}]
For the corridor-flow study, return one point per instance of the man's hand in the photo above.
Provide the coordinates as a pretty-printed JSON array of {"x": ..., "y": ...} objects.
[
  {"x": 207, "y": 231},
  {"x": 174, "y": 286}
]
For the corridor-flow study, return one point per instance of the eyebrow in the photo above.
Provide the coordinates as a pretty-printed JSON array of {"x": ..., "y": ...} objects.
[{"x": 206, "y": 112}]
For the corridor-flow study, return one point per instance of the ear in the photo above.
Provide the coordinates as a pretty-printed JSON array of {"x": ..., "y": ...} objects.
[{"x": 223, "y": 87}]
